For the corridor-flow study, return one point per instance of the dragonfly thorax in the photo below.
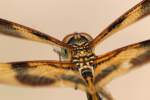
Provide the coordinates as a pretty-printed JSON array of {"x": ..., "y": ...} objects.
[{"x": 82, "y": 54}]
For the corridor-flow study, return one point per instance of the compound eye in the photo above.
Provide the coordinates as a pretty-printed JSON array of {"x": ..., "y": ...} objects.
[
  {"x": 75, "y": 37},
  {"x": 87, "y": 36}
]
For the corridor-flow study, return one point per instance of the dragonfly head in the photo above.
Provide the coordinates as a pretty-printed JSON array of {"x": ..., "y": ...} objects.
[{"x": 77, "y": 39}]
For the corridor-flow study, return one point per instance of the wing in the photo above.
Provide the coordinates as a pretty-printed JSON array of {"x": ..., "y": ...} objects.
[
  {"x": 16, "y": 30},
  {"x": 133, "y": 15},
  {"x": 120, "y": 61},
  {"x": 41, "y": 73}
]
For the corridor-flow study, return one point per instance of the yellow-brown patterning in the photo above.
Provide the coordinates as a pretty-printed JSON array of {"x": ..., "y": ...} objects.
[{"x": 78, "y": 66}]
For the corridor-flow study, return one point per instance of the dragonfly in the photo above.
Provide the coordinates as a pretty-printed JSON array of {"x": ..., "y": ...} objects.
[{"x": 78, "y": 66}]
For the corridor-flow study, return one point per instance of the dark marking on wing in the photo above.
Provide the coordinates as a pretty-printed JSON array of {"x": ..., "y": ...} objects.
[
  {"x": 105, "y": 58},
  {"x": 133, "y": 15},
  {"x": 5, "y": 23},
  {"x": 146, "y": 5},
  {"x": 34, "y": 80},
  {"x": 6, "y": 26},
  {"x": 104, "y": 73},
  {"x": 73, "y": 79},
  {"x": 145, "y": 44},
  {"x": 56, "y": 64},
  {"x": 128, "y": 58},
  {"x": 16, "y": 30},
  {"x": 20, "y": 67},
  {"x": 114, "y": 25},
  {"x": 41, "y": 73},
  {"x": 141, "y": 59},
  {"x": 40, "y": 35},
  {"x": 23, "y": 77},
  {"x": 145, "y": 57}
]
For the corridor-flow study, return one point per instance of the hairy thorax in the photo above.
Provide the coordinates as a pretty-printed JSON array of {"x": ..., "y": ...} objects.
[{"x": 82, "y": 54}]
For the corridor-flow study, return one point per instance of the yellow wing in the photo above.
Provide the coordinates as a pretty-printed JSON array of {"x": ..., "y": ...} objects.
[
  {"x": 133, "y": 15},
  {"x": 41, "y": 73},
  {"x": 20, "y": 31},
  {"x": 120, "y": 61}
]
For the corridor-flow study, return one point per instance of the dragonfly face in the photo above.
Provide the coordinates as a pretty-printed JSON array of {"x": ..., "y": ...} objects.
[{"x": 82, "y": 54}]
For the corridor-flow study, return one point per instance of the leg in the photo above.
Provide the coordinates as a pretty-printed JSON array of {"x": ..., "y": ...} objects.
[{"x": 58, "y": 52}]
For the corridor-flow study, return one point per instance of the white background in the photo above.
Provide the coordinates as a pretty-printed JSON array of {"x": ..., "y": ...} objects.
[{"x": 59, "y": 18}]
